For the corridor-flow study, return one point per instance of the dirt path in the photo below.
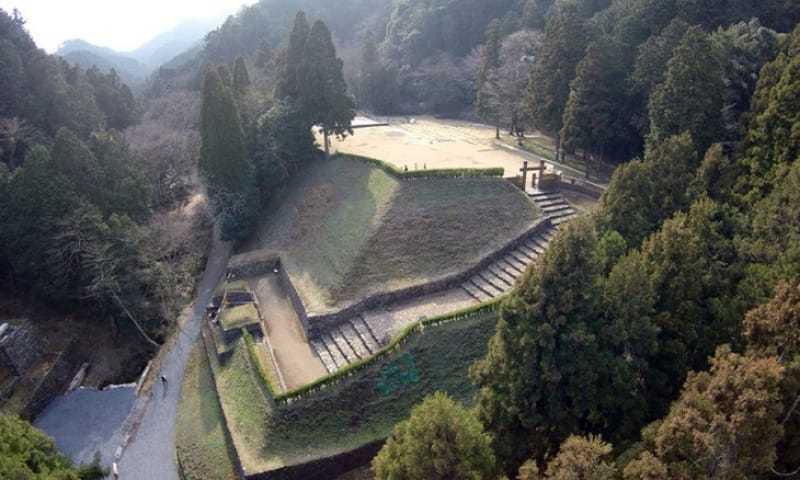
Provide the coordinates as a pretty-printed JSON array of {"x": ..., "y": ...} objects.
[
  {"x": 150, "y": 455},
  {"x": 297, "y": 362}
]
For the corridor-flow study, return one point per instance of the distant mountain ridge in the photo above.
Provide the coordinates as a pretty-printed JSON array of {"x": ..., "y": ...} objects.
[{"x": 134, "y": 67}]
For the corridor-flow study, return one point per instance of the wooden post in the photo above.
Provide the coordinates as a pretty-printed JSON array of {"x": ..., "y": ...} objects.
[
  {"x": 327, "y": 144},
  {"x": 524, "y": 171}
]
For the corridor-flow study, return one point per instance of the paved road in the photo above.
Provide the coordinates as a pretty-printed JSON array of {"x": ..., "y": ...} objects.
[
  {"x": 87, "y": 421},
  {"x": 151, "y": 453}
]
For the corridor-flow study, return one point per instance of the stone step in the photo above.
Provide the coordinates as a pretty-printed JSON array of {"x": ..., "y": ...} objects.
[
  {"x": 515, "y": 264},
  {"x": 562, "y": 213},
  {"x": 475, "y": 292},
  {"x": 344, "y": 347},
  {"x": 324, "y": 355},
  {"x": 551, "y": 201},
  {"x": 532, "y": 253},
  {"x": 495, "y": 279},
  {"x": 556, "y": 208},
  {"x": 506, "y": 275},
  {"x": 537, "y": 196},
  {"x": 366, "y": 334},
  {"x": 354, "y": 340},
  {"x": 525, "y": 253},
  {"x": 487, "y": 287},
  {"x": 521, "y": 259},
  {"x": 335, "y": 352},
  {"x": 542, "y": 242},
  {"x": 548, "y": 235},
  {"x": 562, "y": 220},
  {"x": 535, "y": 247}
]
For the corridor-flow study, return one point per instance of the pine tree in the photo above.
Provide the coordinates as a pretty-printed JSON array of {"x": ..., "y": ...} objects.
[
  {"x": 486, "y": 105},
  {"x": 676, "y": 106},
  {"x": 323, "y": 91},
  {"x": 224, "y": 160},
  {"x": 548, "y": 89},
  {"x": 287, "y": 87},
  {"x": 241, "y": 78}
]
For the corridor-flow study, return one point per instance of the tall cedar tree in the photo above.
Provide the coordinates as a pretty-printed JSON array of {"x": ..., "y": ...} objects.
[
  {"x": 676, "y": 105},
  {"x": 224, "y": 160},
  {"x": 441, "y": 440},
  {"x": 323, "y": 91},
  {"x": 490, "y": 62},
  {"x": 595, "y": 120},
  {"x": 293, "y": 55},
  {"x": 241, "y": 78},
  {"x": 548, "y": 90},
  {"x": 556, "y": 366}
]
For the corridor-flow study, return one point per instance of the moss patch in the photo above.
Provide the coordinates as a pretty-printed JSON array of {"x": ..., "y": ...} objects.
[{"x": 239, "y": 316}]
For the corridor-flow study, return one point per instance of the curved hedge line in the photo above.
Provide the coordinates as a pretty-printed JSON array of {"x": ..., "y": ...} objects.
[
  {"x": 355, "y": 367},
  {"x": 440, "y": 173}
]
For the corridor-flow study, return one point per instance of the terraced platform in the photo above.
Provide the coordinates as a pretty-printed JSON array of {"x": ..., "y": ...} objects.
[{"x": 360, "y": 337}]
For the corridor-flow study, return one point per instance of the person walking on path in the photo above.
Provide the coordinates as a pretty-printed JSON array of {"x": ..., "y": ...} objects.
[{"x": 164, "y": 384}]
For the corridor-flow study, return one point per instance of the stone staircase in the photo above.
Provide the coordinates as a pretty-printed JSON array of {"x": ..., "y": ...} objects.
[
  {"x": 360, "y": 338},
  {"x": 346, "y": 343},
  {"x": 553, "y": 205}
]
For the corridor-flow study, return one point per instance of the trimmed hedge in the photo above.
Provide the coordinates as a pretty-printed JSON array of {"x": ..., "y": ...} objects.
[
  {"x": 269, "y": 389},
  {"x": 440, "y": 173},
  {"x": 355, "y": 367}
]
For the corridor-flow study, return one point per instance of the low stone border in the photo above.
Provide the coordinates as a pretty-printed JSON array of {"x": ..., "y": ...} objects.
[{"x": 582, "y": 186}]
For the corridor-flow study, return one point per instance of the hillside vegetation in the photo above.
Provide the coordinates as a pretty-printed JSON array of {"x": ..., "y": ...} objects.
[
  {"x": 347, "y": 229},
  {"x": 361, "y": 409}
]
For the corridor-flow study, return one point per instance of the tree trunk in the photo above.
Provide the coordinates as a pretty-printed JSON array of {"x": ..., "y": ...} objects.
[
  {"x": 497, "y": 132},
  {"x": 327, "y": 145},
  {"x": 558, "y": 147}
]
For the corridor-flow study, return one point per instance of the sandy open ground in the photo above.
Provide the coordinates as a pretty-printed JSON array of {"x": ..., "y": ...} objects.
[{"x": 426, "y": 142}]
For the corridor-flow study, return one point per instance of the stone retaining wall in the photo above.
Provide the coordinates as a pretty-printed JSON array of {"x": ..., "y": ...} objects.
[
  {"x": 324, "y": 468},
  {"x": 56, "y": 381},
  {"x": 581, "y": 186},
  {"x": 327, "y": 321},
  {"x": 20, "y": 348}
]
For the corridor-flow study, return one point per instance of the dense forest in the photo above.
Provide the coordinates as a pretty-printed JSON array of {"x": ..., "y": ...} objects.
[
  {"x": 89, "y": 184},
  {"x": 658, "y": 336}
]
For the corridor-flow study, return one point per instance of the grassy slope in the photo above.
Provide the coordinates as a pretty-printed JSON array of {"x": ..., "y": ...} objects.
[
  {"x": 200, "y": 441},
  {"x": 357, "y": 411},
  {"x": 349, "y": 229}
]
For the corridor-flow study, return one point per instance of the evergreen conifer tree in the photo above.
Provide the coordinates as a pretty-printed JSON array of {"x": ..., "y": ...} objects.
[
  {"x": 241, "y": 78},
  {"x": 490, "y": 62},
  {"x": 287, "y": 84}
]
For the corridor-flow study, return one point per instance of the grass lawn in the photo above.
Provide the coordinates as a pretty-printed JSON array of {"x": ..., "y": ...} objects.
[
  {"x": 239, "y": 316},
  {"x": 200, "y": 441},
  {"x": 347, "y": 229},
  {"x": 360, "y": 409}
]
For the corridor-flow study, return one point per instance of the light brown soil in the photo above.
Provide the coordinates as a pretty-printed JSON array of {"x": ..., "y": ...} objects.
[
  {"x": 297, "y": 362},
  {"x": 431, "y": 143}
]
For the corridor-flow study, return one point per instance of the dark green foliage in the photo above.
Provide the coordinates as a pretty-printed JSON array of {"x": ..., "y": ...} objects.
[
  {"x": 322, "y": 89},
  {"x": 676, "y": 105},
  {"x": 378, "y": 81},
  {"x": 745, "y": 48},
  {"x": 594, "y": 119},
  {"x": 283, "y": 144},
  {"x": 26, "y": 453},
  {"x": 557, "y": 364},
  {"x": 224, "y": 160},
  {"x": 490, "y": 62},
  {"x": 772, "y": 142},
  {"x": 114, "y": 99},
  {"x": 643, "y": 194},
  {"x": 441, "y": 440},
  {"x": 562, "y": 50},
  {"x": 291, "y": 58},
  {"x": 241, "y": 78}
]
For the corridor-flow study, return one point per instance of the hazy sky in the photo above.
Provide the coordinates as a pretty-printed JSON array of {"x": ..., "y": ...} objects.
[{"x": 120, "y": 24}]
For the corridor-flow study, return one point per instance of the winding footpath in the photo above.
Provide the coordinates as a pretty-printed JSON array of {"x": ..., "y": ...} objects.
[{"x": 150, "y": 454}]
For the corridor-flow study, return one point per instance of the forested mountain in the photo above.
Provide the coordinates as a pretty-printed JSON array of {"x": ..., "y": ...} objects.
[
  {"x": 135, "y": 66},
  {"x": 81, "y": 207}
]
